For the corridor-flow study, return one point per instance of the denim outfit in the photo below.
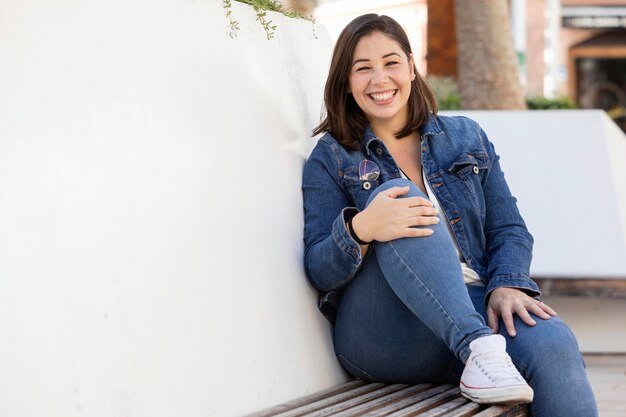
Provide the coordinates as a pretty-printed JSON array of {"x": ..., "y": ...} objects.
[{"x": 402, "y": 312}]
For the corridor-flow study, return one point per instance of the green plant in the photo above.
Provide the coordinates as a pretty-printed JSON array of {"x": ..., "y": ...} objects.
[
  {"x": 446, "y": 91},
  {"x": 233, "y": 25},
  {"x": 260, "y": 7},
  {"x": 544, "y": 103}
]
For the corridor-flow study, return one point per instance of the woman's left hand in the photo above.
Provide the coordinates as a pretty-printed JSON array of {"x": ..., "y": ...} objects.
[{"x": 504, "y": 302}]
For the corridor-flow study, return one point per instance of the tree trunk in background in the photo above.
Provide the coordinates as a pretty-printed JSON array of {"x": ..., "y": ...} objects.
[
  {"x": 487, "y": 63},
  {"x": 441, "y": 39}
]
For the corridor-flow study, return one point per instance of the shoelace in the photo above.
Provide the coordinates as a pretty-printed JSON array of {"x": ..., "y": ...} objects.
[{"x": 499, "y": 367}]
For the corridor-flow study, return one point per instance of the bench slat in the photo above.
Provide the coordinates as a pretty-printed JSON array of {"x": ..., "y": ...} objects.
[
  {"x": 299, "y": 402},
  {"x": 408, "y": 401},
  {"x": 333, "y": 409},
  {"x": 340, "y": 402},
  {"x": 426, "y": 405},
  {"x": 444, "y": 408},
  {"x": 520, "y": 410},
  {"x": 405, "y": 402},
  {"x": 382, "y": 401},
  {"x": 358, "y": 398},
  {"x": 335, "y": 399},
  {"x": 469, "y": 409}
]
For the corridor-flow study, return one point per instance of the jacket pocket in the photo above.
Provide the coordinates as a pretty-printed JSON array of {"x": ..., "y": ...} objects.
[
  {"x": 360, "y": 190},
  {"x": 466, "y": 173},
  {"x": 469, "y": 163}
]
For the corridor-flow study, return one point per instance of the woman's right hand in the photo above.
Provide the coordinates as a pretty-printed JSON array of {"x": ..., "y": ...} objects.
[{"x": 388, "y": 217}]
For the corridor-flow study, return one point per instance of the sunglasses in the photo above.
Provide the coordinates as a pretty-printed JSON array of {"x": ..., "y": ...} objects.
[{"x": 368, "y": 170}]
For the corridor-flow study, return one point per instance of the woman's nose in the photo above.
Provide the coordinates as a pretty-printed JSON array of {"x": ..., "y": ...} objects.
[{"x": 379, "y": 77}]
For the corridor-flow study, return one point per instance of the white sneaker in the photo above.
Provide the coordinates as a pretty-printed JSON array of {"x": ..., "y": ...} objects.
[{"x": 490, "y": 377}]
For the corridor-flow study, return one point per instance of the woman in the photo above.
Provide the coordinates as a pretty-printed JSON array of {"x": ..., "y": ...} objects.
[{"x": 408, "y": 217}]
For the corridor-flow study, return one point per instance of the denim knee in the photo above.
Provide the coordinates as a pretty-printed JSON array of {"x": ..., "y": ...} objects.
[
  {"x": 549, "y": 345},
  {"x": 414, "y": 190},
  {"x": 562, "y": 341},
  {"x": 551, "y": 357}
]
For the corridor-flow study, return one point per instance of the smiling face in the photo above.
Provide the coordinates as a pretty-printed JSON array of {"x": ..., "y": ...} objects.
[{"x": 380, "y": 80}]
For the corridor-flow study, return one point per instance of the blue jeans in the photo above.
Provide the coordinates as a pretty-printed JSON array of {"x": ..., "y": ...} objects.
[{"x": 408, "y": 317}]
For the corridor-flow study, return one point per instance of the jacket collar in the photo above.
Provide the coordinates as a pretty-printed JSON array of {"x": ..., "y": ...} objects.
[
  {"x": 369, "y": 138},
  {"x": 431, "y": 127}
]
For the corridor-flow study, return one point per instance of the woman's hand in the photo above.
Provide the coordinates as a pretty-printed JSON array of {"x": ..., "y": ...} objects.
[
  {"x": 504, "y": 302},
  {"x": 388, "y": 217}
]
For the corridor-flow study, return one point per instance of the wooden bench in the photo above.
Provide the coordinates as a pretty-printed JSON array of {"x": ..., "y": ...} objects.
[
  {"x": 359, "y": 398},
  {"x": 582, "y": 287}
]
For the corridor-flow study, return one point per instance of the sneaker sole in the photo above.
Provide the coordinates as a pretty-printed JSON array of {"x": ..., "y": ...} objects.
[{"x": 502, "y": 395}]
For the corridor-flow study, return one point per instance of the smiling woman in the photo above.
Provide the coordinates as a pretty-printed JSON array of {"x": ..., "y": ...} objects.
[
  {"x": 344, "y": 70},
  {"x": 380, "y": 80},
  {"x": 415, "y": 240}
]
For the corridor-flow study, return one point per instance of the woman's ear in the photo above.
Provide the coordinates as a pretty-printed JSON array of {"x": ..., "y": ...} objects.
[{"x": 412, "y": 66}]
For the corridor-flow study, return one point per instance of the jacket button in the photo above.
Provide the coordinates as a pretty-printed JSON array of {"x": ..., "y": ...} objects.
[
  {"x": 476, "y": 170},
  {"x": 367, "y": 185},
  {"x": 379, "y": 151}
]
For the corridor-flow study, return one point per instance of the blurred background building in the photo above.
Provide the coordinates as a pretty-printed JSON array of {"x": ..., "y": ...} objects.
[{"x": 574, "y": 49}]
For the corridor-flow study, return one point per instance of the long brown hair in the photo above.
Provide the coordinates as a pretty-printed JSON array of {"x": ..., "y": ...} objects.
[{"x": 344, "y": 120}]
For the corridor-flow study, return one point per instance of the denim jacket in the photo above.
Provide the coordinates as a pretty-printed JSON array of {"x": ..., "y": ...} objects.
[{"x": 462, "y": 168}]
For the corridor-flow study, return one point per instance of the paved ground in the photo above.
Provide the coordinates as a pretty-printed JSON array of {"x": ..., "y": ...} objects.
[{"x": 607, "y": 374}]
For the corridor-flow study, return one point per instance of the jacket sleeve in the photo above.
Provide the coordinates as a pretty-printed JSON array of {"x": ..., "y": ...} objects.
[
  {"x": 331, "y": 256},
  {"x": 508, "y": 243}
]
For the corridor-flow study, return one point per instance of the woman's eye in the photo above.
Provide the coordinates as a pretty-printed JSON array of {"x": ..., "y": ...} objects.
[
  {"x": 362, "y": 69},
  {"x": 392, "y": 63}
]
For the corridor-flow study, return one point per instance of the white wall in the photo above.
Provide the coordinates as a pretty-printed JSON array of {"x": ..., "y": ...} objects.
[
  {"x": 150, "y": 213},
  {"x": 568, "y": 170}
]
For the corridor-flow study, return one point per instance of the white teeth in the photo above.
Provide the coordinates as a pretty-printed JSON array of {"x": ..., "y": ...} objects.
[{"x": 383, "y": 96}]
